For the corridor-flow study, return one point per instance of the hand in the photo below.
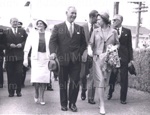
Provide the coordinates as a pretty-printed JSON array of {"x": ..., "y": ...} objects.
[
  {"x": 52, "y": 56},
  {"x": 130, "y": 63},
  {"x": 90, "y": 52},
  {"x": 25, "y": 63},
  {"x": 19, "y": 45},
  {"x": 12, "y": 45}
]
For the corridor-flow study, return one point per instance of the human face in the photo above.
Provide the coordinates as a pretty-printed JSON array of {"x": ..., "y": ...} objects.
[
  {"x": 14, "y": 22},
  {"x": 40, "y": 25},
  {"x": 93, "y": 20},
  {"x": 71, "y": 14},
  {"x": 117, "y": 22},
  {"x": 100, "y": 21}
]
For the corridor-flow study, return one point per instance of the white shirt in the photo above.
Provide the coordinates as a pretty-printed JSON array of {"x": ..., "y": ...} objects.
[
  {"x": 14, "y": 30},
  {"x": 68, "y": 25},
  {"x": 120, "y": 31},
  {"x": 89, "y": 25}
]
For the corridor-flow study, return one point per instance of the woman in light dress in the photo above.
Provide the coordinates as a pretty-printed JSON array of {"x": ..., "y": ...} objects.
[
  {"x": 100, "y": 39},
  {"x": 38, "y": 40}
]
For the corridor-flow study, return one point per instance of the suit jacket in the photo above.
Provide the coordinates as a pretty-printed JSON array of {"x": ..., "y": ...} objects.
[
  {"x": 99, "y": 44},
  {"x": 87, "y": 36},
  {"x": 33, "y": 42},
  {"x": 69, "y": 49},
  {"x": 15, "y": 54},
  {"x": 125, "y": 49},
  {"x": 2, "y": 40}
]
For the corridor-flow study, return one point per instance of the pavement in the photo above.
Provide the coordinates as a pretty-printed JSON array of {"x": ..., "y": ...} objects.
[{"x": 138, "y": 102}]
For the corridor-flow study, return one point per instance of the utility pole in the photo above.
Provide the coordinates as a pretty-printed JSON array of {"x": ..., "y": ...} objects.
[
  {"x": 116, "y": 8},
  {"x": 139, "y": 9}
]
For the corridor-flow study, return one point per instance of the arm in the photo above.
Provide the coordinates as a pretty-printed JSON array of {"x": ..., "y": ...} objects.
[
  {"x": 4, "y": 42},
  {"x": 53, "y": 43},
  {"x": 83, "y": 41},
  {"x": 27, "y": 46},
  {"x": 130, "y": 47}
]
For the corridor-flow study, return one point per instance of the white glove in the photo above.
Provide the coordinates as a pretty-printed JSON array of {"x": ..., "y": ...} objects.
[
  {"x": 25, "y": 62},
  {"x": 90, "y": 52}
]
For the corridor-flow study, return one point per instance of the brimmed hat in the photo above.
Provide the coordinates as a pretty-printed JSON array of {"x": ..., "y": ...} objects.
[
  {"x": 105, "y": 16},
  {"x": 42, "y": 20},
  {"x": 53, "y": 65},
  {"x": 132, "y": 70}
]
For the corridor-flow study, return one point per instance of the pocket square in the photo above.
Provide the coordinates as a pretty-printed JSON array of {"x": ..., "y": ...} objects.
[{"x": 78, "y": 32}]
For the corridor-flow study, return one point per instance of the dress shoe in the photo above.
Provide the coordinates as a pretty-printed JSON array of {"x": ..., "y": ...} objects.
[
  {"x": 64, "y": 108},
  {"x": 109, "y": 96},
  {"x": 11, "y": 95},
  {"x": 123, "y": 102},
  {"x": 83, "y": 95},
  {"x": 73, "y": 107},
  {"x": 91, "y": 101},
  {"x": 42, "y": 103},
  {"x": 19, "y": 94},
  {"x": 50, "y": 89},
  {"x": 102, "y": 111},
  {"x": 36, "y": 100}
]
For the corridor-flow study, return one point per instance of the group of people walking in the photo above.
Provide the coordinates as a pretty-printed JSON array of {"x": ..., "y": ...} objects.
[{"x": 84, "y": 54}]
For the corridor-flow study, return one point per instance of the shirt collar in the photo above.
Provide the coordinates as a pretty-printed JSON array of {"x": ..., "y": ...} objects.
[{"x": 68, "y": 23}]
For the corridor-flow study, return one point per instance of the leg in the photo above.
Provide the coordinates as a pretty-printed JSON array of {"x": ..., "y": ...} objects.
[
  {"x": 23, "y": 76},
  {"x": 42, "y": 90},
  {"x": 10, "y": 78},
  {"x": 74, "y": 72},
  {"x": 63, "y": 81},
  {"x": 49, "y": 85},
  {"x": 91, "y": 88},
  {"x": 18, "y": 75},
  {"x": 101, "y": 100},
  {"x": 112, "y": 81},
  {"x": 124, "y": 82},
  {"x": 83, "y": 81},
  {"x": 1, "y": 72},
  {"x": 36, "y": 95}
]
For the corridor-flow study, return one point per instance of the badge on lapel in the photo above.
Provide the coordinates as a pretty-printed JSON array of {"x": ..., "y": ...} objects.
[
  {"x": 126, "y": 35},
  {"x": 78, "y": 32}
]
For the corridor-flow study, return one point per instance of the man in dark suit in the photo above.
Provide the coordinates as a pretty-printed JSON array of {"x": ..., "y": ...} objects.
[
  {"x": 16, "y": 38},
  {"x": 70, "y": 40},
  {"x": 87, "y": 61},
  {"x": 126, "y": 55},
  {"x": 2, "y": 47}
]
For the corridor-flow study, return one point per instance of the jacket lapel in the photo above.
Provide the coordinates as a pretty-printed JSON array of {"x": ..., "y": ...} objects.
[
  {"x": 109, "y": 34},
  {"x": 66, "y": 28}
]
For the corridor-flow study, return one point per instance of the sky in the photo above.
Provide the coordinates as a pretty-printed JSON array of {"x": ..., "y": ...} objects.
[{"x": 55, "y": 9}]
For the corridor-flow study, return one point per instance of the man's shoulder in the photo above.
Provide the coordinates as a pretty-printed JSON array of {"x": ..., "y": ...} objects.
[
  {"x": 126, "y": 29},
  {"x": 59, "y": 24}
]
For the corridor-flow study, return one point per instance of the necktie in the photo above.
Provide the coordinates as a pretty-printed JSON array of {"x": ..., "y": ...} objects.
[
  {"x": 91, "y": 30},
  {"x": 70, "y": 30},
  {"x": 118, "y": 31}
]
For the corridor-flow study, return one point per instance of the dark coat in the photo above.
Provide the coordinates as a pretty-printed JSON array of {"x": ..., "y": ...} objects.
[
  {"x": 15, "y": 53},
  {"x": 68, "y": 49}
]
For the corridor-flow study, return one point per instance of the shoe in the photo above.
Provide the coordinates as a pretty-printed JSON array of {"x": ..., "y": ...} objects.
[
  {"x": 123, "y": 102},
  {"x": 50, "y": 89},
  {"x": 73, "y": 107},
  {"x": 91, "y": 101},
  {"x": 36, "y": 100},
  {"x": 19, "y": 94},
  {"x": 109, "y": 96},
  {"x": 11, "y": 95},
  {"x": 42, "y": 103},
  {"x": 102, "y": 111},
  {"x": 64, "y": 108},
  {"x": 83, "y": 95}
]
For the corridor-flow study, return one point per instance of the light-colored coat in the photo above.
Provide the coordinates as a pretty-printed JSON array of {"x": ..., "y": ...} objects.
[{"x": 33, "y": 42}]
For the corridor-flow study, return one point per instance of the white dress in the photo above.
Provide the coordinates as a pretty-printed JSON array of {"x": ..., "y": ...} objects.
[{"x": 39, "y": 69}]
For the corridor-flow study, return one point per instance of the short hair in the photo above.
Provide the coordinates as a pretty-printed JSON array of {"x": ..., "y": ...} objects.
[
  {"x": 70, "y": 7},
  {"x": 93, "y": 13},
  {"x": 118, "y": 15},
  {"x": 12, "y": 19}
]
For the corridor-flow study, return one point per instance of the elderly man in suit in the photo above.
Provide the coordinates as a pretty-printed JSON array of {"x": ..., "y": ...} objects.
[
  {"x": 87, "y": 61},
  {"x": 69, "y": 38},
  {"x": 16, "y": 38},
  {"x": 126, "y": 55},
  {"x": 2, "y": 47}
]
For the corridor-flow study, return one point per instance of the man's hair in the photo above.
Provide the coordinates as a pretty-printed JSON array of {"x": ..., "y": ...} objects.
[
  {"x": 93, "y": 13},
  {"x": 13, "y": 19},
  {"x": 20, "y": 23},
  {"x": 121, "y": 17}
]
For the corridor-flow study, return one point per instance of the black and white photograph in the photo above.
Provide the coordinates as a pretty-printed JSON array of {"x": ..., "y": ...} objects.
[{"x": 74, "y": 57}]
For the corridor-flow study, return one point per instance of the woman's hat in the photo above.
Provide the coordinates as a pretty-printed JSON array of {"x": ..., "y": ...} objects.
[
  {"x": 53, "y": 65},
  {"x": 43, "y": 21},
  {"x": 104, "y": 16}
]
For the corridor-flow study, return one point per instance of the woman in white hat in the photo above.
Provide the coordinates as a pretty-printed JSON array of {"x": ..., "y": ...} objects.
[
  {"x": 100, "y": 39},
  {"x": 38, "y": 40}
]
